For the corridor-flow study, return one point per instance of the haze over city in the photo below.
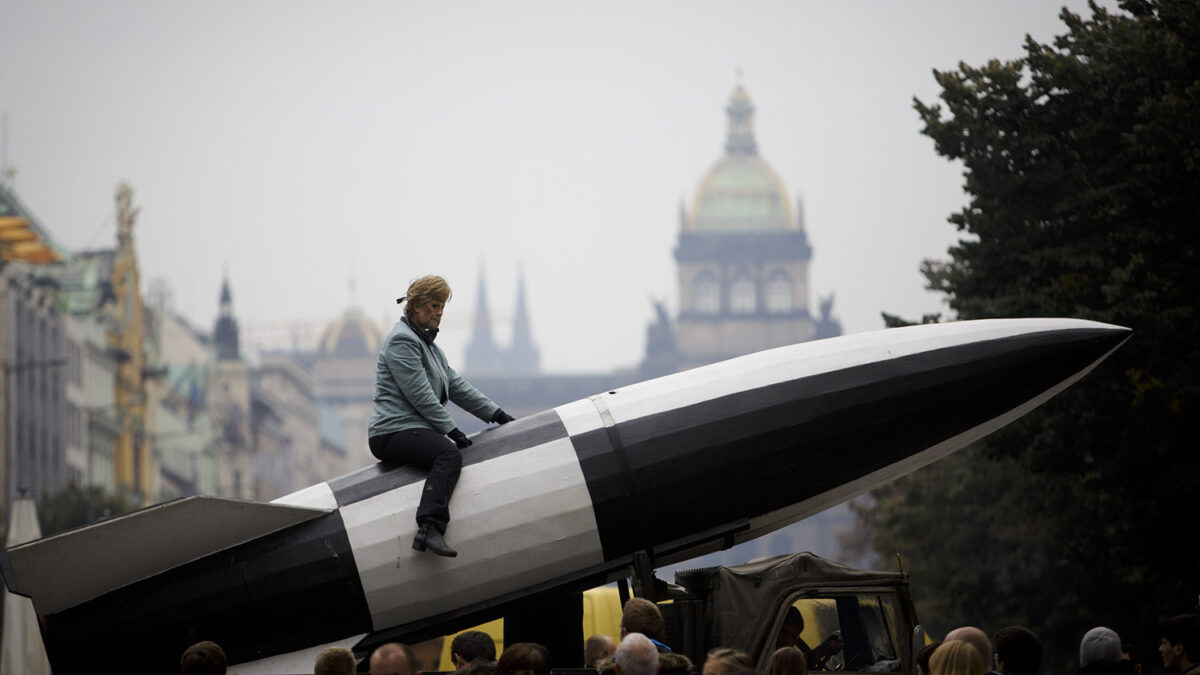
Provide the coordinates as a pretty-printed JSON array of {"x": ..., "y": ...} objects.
[{"x": 325, "y": 153}]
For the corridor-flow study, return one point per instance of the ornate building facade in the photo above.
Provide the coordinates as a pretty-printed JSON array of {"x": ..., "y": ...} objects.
[
  {"x": 742, "y": 255},
  {"x": 343, "y": 367}
]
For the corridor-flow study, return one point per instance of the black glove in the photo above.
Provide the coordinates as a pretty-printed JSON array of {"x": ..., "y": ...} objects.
[
  {"x": 501, "y": 417},
  {"x": 460, "y": 439}
]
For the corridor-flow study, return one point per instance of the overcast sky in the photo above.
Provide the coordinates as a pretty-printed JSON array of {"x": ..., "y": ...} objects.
[{"x": 299, "y": 145}]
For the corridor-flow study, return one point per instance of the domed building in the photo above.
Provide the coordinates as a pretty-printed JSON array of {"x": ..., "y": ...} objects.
[
  {"x": 344, "y": 366},
  {"x": 742, "y": 255},
  {"x": 352, "y": 336}
]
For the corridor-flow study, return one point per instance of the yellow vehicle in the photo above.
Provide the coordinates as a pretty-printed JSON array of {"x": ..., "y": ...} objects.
[{"x": 601, "y": 616}]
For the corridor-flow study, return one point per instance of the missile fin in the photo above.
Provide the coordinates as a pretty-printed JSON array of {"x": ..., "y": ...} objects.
[{"x": 104, "y": 556}]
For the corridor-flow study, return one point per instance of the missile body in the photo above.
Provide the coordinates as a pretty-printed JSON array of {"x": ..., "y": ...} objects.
[{"x": 673, "y": 467}]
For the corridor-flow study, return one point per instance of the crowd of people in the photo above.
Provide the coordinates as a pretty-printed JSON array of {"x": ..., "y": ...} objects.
[{"x": 1015, "y": 650}]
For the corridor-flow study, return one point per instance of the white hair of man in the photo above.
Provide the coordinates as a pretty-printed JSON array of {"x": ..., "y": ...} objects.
[{"x": 636, "y": 655}]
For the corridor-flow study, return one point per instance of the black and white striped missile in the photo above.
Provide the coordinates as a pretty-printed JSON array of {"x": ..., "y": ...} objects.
[{"x": 673, "y": 467}]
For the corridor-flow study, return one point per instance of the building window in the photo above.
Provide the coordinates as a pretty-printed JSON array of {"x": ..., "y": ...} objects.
[
  {"x": 742, "y": 296},
  {"x": 779, "y": 294},
  {"x": 708, "y": 295}
]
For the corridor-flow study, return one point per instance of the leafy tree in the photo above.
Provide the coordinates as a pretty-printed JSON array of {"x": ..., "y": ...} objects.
[
  {"x": 74, "y": 506},
  {"x": 1082, "y": 161}
]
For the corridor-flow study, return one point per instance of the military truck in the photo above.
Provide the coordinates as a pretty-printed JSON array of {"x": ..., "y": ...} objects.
[{"x": 744, "y": 607}]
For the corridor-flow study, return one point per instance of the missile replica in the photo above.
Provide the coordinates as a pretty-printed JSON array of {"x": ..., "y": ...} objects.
[{"x": 669, "y": 468}]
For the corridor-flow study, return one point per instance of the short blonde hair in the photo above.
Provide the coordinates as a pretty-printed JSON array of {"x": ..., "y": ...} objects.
[
  {"x": 427, "y": 289},
  {"x": 729, "y": 660},
  {"x": 334, "y": 661},
  {"x": 956, "y": 657}
]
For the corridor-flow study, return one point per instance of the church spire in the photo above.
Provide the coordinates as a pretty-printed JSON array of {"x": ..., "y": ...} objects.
[
  {"x": 226, "y": 332},
  {"x": 740, "y": 138},
  {"x": 353, "y": 300},
  {"x": 482, "y": 355},
  {"x": 523, "y": 356}
]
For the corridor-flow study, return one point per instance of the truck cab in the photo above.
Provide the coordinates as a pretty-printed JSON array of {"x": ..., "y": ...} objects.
[{"x": 753, "y": 608}]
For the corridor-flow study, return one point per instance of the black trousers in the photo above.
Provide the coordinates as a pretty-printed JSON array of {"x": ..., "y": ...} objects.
[{"x": 424, "y": 449}]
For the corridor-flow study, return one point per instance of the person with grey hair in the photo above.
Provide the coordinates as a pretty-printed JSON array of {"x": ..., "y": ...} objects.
[
  {"x": 636, "y": 655},
  {"x": 1100, "y": 654}
]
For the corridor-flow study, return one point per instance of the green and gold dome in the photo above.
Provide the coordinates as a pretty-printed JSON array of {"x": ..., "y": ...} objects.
[{"x": 741, "y": 192}]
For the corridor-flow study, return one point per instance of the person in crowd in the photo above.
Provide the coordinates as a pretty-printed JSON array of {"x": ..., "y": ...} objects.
[
  {"x": 1018, "y": 651},
  {"x": 393, "y": 658},
  {"x": 956, "y": 657},
  {"x": 642, "y": 616},
  {"x": 598, "y": 648},
  {"x": 977, "y": 639},
  {"x": 410, "y": 424},
  {"x": 789, "y": 636},
  {"x": 671, "y": 663},
  {"x": 726, "y": 661},
  {"x": 923, "y": 657},
  {"x": 636, "y": 655},
  {"x": 472, "y": 648},
  {"x": 203, "y": 658},
  {"x": 524, "y": 658},
  {"x": 1180, "y": 644},
  {"x": 787, "y": 661},
  {"x": 480, "y": 668},
  {"x": 1100, "y": 653},
  {"x": 334, "y": 661},
  {"x": 1130, "y": 653}
]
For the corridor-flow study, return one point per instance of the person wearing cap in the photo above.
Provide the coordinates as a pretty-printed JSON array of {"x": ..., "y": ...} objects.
[
  {"x": 410, "y": 424},
  {"x": 1100, "y": 654}
]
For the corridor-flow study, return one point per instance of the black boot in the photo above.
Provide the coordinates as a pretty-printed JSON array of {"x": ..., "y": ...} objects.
[{"x": 429, "y": 537}]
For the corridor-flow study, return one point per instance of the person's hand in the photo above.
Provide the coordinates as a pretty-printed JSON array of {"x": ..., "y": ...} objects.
[
  {"x": 833, "y": 643},
  {"x": 830, "y": 646},
  {"x": 460, "y": 439},
  {"x": 501, "y": 417}
]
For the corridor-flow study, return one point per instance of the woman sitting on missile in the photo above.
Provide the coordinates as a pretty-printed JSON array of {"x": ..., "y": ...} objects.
[{"x": 410, "y": 424}]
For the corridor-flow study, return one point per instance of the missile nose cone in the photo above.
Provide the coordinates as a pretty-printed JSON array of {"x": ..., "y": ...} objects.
[
  {"x": 1114, "y": 331},
  {"x": 1119, "y": 333},
  {"x": 772, "y": 437},
  {"x": 1116, "y": 335},
  {"x": 1087, "y": 339}
]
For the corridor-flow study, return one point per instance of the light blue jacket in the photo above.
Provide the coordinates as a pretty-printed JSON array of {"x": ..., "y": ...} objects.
[{"x": 413, "y": 381}]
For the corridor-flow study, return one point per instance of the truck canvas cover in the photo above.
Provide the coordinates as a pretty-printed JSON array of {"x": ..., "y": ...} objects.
[{"x": 743, "y": 599}]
